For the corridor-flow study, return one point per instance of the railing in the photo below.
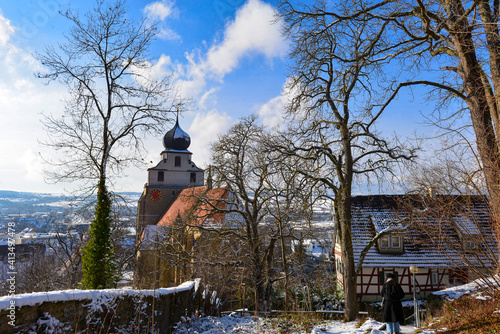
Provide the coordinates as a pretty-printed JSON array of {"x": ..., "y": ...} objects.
[{"x": 278, "y": 312}]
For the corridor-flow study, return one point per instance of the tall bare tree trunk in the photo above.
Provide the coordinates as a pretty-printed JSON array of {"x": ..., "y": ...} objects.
[{"x": 483, "y": 114}]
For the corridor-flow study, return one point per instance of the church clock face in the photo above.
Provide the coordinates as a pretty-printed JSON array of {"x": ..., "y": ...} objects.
[{"x": 155, "y": 195}]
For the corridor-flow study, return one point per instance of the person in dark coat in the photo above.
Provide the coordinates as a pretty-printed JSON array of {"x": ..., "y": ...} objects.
[{"x": 392, "y": 308}]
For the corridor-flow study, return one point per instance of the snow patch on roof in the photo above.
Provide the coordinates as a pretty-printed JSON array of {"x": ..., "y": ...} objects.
[{"x": 466, "y": 225}]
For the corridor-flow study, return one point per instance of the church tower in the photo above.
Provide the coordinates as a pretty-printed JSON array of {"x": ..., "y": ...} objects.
[{"x": 175, "y": 172}]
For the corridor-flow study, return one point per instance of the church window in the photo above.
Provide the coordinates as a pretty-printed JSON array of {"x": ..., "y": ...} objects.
[
  {"x": 193, "y": 177},
  {"x": 161, "y": 176},
  {"x": 177, "y": 161}
]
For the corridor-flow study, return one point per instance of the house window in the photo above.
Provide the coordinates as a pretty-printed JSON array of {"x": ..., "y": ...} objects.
[
  {"x": 193, "y": 177},
  {"x": 471, "y": 244},
  {"x": 435, "y": 277},
  {"x": 161, "y": 176},
  {"x": 384, "y": 242},
  {"x": 177, "y": 161},
  {"x": 391, "y": 244},
  {"x": 382, "y": 275},
  {"x": 340, "y": 266},
  {"x": 395, "y": 241}
]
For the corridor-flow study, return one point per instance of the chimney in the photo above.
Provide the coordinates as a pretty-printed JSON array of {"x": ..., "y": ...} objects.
[{"x": 209, "y": 178}]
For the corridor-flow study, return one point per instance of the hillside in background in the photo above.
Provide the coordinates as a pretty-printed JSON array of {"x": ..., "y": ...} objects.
[{"x": 28, "y": 202}]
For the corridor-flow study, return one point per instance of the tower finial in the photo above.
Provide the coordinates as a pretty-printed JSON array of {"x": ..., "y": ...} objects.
[{"x": 176, "y": 138}]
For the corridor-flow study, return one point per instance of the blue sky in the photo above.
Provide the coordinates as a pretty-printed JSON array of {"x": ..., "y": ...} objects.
[{"x": 227, "y": 55}]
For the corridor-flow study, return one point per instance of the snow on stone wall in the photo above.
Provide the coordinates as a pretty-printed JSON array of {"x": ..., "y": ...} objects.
[{"x": 89, "y": 311}]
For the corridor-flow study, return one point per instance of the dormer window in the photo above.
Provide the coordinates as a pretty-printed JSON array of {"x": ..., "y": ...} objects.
[
  {"x": 468, "y": 232},
  {"x": 390, "y": 244},
  {"x": 395, "y": 241}
]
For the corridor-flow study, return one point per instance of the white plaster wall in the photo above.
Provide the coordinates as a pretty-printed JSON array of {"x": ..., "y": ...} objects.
[{"x": 177, "y": 176}]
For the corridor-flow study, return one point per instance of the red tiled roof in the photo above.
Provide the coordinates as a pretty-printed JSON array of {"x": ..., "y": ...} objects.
[{"x": 196, "y": 203}]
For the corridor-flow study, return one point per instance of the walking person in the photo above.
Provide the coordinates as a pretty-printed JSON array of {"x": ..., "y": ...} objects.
[{"x": 392, "y": 308}]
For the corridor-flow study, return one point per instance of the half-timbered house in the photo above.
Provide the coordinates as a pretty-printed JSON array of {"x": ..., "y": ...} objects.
[{"x": 450, "y": 238}]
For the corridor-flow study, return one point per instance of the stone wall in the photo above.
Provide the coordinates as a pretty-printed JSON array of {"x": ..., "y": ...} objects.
[{"x": 98, "y": 311}]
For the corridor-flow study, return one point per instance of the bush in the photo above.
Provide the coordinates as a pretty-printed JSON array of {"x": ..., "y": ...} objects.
[{"x": 468, "y": 314}]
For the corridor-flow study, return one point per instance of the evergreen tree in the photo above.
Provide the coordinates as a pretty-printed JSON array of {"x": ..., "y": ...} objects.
[{"x": 99, "y": 270}]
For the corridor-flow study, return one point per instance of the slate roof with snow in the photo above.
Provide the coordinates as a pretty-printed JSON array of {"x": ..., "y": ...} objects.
[{"x": 426, "y": 225}]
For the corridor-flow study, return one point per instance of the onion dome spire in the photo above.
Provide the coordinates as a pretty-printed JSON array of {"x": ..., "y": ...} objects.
[{"x": 176, "y": 138}]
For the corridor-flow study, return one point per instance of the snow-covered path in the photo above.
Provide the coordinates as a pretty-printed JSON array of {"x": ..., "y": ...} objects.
[
  {"x": 244, "y": 325},
  {"x": 339, "y": 327}
]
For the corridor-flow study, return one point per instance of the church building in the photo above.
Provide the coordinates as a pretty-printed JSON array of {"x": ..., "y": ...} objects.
[
  {"x": 175, "y": 172},
  {"x": 174, "y": 202}
]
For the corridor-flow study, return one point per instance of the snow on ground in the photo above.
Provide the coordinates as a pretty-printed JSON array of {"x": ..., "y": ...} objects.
[
  {"x": 250, "y": 325},
  {"x": 474, "y": 288}
]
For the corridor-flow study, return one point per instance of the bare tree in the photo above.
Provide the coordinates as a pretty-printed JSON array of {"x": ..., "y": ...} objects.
[
  {"x": 337, "y": 76},
  {"x": 185, "y": 250},
  {"x": 454, "y": 169},
  {"x": 290, "y": 210},
  {"x": 260, "y": 205},
  {"x": 238, "y": 162},
  {"x": 452, "y": 46},
  {"x": 66, "y": 249},
  {"x": 111, "y": 105}
]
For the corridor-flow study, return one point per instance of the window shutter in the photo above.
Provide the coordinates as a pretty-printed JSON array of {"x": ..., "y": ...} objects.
[{"x": 381, "y": 277}]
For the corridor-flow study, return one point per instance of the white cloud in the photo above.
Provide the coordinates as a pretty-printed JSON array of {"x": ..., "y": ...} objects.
[
  {"x": 151, "y": 72},
  {"x": 22, "y": 99},
  {"x": 190, "y": 78},
  {"x": 204, "y": 130},
  {"x": 273, "y": 111},
  {"x": 160, "y": 10},
  {"x": 207, "y": 96},
  {"x": 252, "y": 32},
  {"x": 6, "y": 30},
  {"x": 33, "y": 166},
  {"x": 168, "y": 34}
]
